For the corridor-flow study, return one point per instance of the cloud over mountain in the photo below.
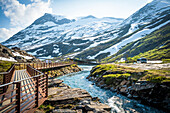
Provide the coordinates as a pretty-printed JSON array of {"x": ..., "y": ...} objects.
[{"x": 22, "y": 15}]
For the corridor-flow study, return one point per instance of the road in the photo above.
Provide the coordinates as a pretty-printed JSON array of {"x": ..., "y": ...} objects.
[{"x": 147, "y": 66}]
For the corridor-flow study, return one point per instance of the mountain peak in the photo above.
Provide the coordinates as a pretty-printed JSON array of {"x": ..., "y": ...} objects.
[
  {"x": 89, "y": 16},
  {"x": 57, "y": 19}
]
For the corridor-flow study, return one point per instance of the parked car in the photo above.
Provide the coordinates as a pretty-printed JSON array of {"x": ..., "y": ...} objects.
[{"x": 141, "y": 60}]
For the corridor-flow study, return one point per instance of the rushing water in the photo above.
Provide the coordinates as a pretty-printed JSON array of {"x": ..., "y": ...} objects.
[{"x": 119, "y": 103}]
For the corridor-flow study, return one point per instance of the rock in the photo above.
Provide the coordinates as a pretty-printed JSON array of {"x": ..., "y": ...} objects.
[
  {"x": 56, "y": 82},
  {"x": 129, "y": 96},
  {"x": 63, "y": 111},
  {"x": 123, "y": 82},
  {"x": 94, "y": 107},
  {"x": 39, "y": 111},
  {"x": 113, "y": 89},
  {"x": 78, "y": 99},
  {"x": 95, "y": 99},
  {"x": 69, "y": 94},
  {"x": 123, "y": 90}
]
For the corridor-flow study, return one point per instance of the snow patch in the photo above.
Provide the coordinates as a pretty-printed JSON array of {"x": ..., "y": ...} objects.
[
  {"x": 49, "y": 24},
  {"x": 8, "y": 59},
  {"x": 56, "y": 50},
  {"x": 115, "y": 48},
  {"x": 18, "y": 54},
  {"x": 77, "y": 49}
]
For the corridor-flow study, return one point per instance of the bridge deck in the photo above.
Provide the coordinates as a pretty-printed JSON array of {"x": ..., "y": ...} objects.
[
  {"x": 20, "y": 75},
  {"x": 25, "y": 90}
]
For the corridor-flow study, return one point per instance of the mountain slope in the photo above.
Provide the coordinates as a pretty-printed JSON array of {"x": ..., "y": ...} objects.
[
  {"x": 133, "y": 28},
  {"x": 89, "y": 37},
  {"x": 15, "y": 55},
  {"x": 53, "y": 28},
  {"x": 155, "y": 46}
]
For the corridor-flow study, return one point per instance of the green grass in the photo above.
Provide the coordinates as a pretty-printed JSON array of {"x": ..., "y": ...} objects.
[
  {"x": 148, "y": 46},
  {"x": 5, "y": 65},
  {"x": 122, "y": 72},
  {"x": 46, "y": 108},
  {"x": 125, "y": 75}
]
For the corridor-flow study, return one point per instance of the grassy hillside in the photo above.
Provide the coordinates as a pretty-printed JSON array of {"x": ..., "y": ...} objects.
[
  {"x": 5, "y": 65},
  {"x": 110, "y": 71},
  {"x": 155, "y": 46}
]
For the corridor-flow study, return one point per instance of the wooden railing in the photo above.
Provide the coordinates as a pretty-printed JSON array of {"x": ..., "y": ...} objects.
[
  {"x": 26, "y": 94},
  {"x": 5, "y": 77},
  {"x": 41, "y": 65}
]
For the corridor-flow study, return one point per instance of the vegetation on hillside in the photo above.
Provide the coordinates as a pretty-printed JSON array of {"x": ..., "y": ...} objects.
[
  {"x": 110, "y": 71},
  {"x": 162, "y": 53},
  {"x": 154, "y": 46},
  {"x": 5, "y": 65}
]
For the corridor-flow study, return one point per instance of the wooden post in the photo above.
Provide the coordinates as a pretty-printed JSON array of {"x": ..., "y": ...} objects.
[
  {"x": 4, "y": 82},
  {"x": 37, "y": 92},
  {"x": 18, "y": 92},
  {"x": 46, "y": 85}
]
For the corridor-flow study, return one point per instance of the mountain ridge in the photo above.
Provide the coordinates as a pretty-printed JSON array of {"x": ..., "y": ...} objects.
[{"x": 90, "y": 37}]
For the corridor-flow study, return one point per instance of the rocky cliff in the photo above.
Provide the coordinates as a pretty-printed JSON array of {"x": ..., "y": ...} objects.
[
  {"x": 16, "y": 55},
  {"x": 149, "y": 87}
]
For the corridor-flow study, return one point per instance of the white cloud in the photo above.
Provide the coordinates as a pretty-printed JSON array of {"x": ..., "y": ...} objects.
[
  {"x": 6, "y": 33},
  {"x": 22, "y": 15}
]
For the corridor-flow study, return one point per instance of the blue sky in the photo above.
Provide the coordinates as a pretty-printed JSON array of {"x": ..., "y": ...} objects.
[{"x": 16, "y": 15}]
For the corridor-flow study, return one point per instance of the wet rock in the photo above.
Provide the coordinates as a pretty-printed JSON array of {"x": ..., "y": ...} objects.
[
  {"x": 97, "y": 107},
  {"x": 123, "y": 82},
  {"x": 123, "y": 90},
  {"x": 69, "y": 94},
  {"x": 56, "y": 82},
  {"x": 113, "y": 89},
  {"x": 63, "y": 97},
  {"x": 129, "y": 96},
  {"x": 64, "y": 111}
]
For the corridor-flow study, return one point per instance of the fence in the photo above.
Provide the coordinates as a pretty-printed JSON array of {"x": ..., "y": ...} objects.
[
  {"x": 26, "y": 94},
  {"x": 5, "y": 77},
  {"x": 41, "y": 65}
]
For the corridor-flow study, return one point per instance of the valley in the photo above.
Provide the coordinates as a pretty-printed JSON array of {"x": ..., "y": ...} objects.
[
  {"x": 107, "y": 39},
  {"x": 102, "y": 56}
]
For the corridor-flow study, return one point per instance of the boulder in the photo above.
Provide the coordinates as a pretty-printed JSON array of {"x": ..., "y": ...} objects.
[
  {"x": 97, "y": 107},
  {"x": 63, "y": 111},
  {"x": 56, "y": 82}
]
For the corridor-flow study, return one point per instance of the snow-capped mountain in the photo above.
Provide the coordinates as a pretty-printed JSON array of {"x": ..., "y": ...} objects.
[
  {"x": 143, "y": 22},
  {"x": 89, "y": 37},
  {"x": 54, "y": 28}
]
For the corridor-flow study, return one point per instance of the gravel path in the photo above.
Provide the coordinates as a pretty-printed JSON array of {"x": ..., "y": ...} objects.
[{"x": 147, "y": 66}]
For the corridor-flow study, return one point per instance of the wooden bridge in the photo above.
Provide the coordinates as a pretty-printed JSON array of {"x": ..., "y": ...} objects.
[{"x": 24, "y": 88}]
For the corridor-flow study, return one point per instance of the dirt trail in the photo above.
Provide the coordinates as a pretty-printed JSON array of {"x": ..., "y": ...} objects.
[{"x": 147, "y": 66}]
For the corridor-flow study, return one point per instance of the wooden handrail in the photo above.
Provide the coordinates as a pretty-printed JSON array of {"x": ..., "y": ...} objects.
[
  {"x": 9, "y": 70},
  {"x": 38, "y": 86}
]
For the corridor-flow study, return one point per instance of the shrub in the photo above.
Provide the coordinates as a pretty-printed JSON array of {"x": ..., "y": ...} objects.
[
  {"x": 125, "y": 75},
  {"x": 156, "y": 79}
]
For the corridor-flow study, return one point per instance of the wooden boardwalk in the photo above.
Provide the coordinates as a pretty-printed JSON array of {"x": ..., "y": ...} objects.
[{"x": 27, "y": 89}]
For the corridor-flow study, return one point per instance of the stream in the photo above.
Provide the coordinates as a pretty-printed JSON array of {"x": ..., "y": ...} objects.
[{"x": 118, "y": 103}]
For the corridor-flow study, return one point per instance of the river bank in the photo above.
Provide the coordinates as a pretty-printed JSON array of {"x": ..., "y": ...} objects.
[
  {"x": 149, "y": 87},
  {"x": 60, "y": 71},
  {"x": 64, "y": 99}
]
